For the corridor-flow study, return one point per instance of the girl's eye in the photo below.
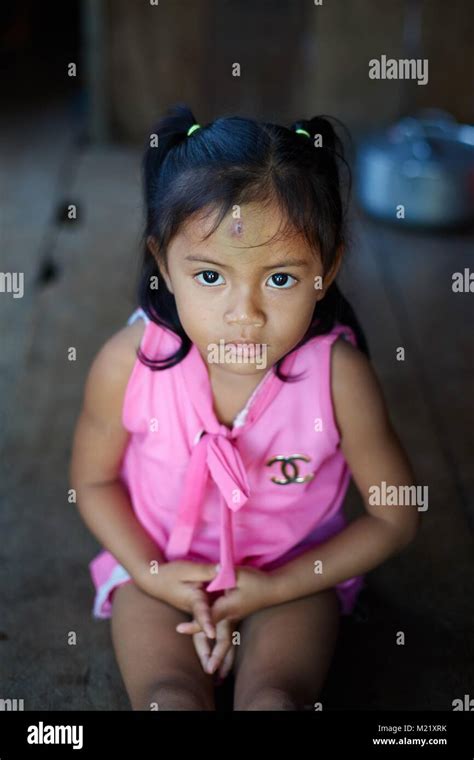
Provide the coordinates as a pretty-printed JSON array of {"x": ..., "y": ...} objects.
[
  {"x": 281, "y": 279},
  {"x": 211, "y": 275}
]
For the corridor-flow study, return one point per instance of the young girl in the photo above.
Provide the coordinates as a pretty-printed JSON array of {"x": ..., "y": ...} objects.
[{"x": 220, "y": 427}]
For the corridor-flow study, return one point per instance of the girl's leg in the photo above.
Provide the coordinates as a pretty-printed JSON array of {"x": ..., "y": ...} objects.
[
  {"x": 158, "y": 664},
  {"x": 285, "y": 652}
]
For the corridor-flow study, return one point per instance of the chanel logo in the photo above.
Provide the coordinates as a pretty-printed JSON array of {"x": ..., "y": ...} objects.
[{"x": 289, "y": 462}]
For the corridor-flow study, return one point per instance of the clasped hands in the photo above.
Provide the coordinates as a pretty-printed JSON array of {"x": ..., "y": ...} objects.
[{"x": 215, "y": 614}]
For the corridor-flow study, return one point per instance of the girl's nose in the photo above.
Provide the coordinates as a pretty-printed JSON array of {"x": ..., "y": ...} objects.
[{"x": 245, "y": 311}]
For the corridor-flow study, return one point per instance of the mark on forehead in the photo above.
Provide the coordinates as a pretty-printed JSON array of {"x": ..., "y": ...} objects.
[{"x": 237, "y": 228}]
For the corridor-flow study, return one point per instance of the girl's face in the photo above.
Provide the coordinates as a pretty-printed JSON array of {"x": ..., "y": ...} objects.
[{"x": 227, "y": 290}]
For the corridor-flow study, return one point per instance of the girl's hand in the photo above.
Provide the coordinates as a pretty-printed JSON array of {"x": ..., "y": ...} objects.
[
  {"x": 222, "y": 657},
  {"x": 179, "y": 583},
  {"x": 255, "y": 590}
]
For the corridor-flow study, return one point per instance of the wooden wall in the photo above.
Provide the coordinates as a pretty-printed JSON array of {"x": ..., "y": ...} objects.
[{"x": 297, "y": 59}]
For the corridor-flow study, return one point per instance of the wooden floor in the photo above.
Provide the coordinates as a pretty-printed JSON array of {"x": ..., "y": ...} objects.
[{"x": 79, "y": 289}]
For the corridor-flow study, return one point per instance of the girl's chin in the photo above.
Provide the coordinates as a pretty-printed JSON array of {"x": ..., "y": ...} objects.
[
  {"x": 249, "y": 368},
  {"x": 229, "y": 372}
]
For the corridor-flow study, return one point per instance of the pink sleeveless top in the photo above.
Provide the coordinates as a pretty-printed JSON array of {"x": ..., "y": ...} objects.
[{"x": 258, "y": 494}]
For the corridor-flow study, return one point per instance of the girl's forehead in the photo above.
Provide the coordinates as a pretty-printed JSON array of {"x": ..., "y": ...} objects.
[{"x": 247, "y": 225}]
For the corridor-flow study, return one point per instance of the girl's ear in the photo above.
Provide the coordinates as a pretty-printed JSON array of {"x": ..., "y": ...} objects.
[
  {"x": 332, "y": 274},
  {"x": 153, "y": 247},
  {"x": 155, "y": 252}
]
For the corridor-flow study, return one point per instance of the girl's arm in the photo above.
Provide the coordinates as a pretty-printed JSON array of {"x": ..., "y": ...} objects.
[
  {"x": 103, "y": 500},
  {"x": 98, "y": 446},
  {"x": 374, "y": 454}
]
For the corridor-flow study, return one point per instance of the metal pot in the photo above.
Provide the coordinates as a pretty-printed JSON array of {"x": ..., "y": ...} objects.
[{"x": 423, "y": 163}]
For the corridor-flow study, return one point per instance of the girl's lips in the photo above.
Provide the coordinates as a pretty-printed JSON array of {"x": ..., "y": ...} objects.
[
  {"x": 244, "y": 343},
  {"x": 241, "y": 347}
]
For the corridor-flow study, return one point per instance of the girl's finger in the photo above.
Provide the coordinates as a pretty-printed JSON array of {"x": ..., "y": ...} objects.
[
  {"x": 203, "y": 649},
  {"x": 200, "y": 571},
  {"x": 227, "y": 663},
  {"x": 224, "y": 607},
  {"x": 191, "y": 628},
  {"x": 218, "y": 653},
  {"x": 202, "y": 614}
]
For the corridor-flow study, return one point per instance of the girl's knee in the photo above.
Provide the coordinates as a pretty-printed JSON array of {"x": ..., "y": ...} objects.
[
  {"x": 174, "y": 693},
  {"x": 269, "y": 698}
]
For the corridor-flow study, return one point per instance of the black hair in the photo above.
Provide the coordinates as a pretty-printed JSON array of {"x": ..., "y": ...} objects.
[{"x": 233, "y": 161}]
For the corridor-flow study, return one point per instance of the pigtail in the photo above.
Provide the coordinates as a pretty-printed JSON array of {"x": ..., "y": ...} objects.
[
  {"x": 166, "y": 133},
  {"x": 332, "y": 151},
  {"x": 159, "y": 304},
  {"x": 319, "y": 125},
  {"x": 334, "y": 307}
]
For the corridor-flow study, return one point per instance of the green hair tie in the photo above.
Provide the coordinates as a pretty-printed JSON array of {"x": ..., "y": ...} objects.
[
  {"x": 193, "y": 128},
  {"x": 303, "y": 132}
]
